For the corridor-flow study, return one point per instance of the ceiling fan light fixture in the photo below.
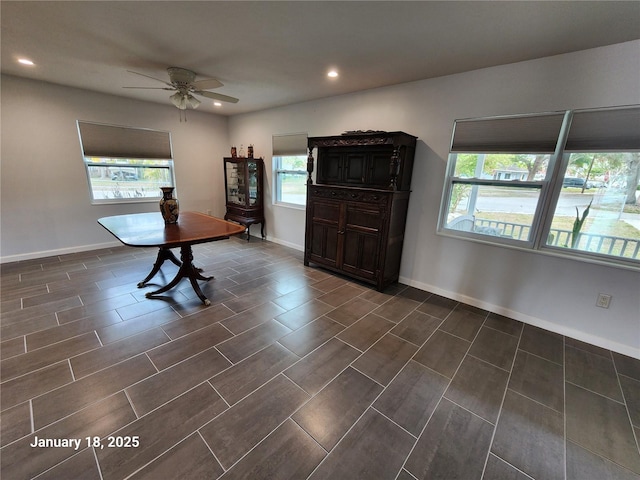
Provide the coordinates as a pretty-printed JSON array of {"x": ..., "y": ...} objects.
[
  {"x": 176, "y": 99},
  {"x": 193, "y": 101}
]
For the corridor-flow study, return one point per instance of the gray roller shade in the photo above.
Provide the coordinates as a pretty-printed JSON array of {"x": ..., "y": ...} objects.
[
  {"x": 112, "y": 141},
  {"x": 610, "y": 130},
  {"x": 518, "y": 134},
  {"x": 289, "y": 145}
]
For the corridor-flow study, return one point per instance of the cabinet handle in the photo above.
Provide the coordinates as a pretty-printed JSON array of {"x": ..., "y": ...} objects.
[
  {"x": 340, "y": 232},
  {"x": 376, "y": 197},
  {"x": 333, "y": 194},
  {"x": 354, "y": 195}
]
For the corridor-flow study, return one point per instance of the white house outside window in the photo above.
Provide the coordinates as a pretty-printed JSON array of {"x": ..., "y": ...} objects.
[
  {"x": 125, "y": 164},
  {"x": 562, "y": 182},
  {"x": 289, "y": 164}
]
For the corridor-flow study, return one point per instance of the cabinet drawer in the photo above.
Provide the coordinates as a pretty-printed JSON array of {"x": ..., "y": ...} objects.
[
  {"x": 366, "y": 219},
  {"x": 324, "y": 211},
  {"x": 350, "y": 194}
]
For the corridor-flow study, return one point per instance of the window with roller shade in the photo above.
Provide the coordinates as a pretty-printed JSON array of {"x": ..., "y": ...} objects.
[
  {"x": 125, "y": 164},
  {"x": 290, "y": 169},
  {"x": 562, "y": 182}
]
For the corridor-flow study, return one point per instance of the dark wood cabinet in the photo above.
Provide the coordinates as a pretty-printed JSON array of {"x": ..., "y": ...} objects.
[
  {"x": 243, "y": 191},
  {"x": 357, "y": 209}
]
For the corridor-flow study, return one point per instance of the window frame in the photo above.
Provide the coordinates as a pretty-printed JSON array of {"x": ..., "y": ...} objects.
[
  {"x": 550, "y": 190},
  {"x": 278, "y": 173},
  {"x": 284, "y": 146},
  {"x": 89, "y": 163},
  {"x": 134, "y": 148}
]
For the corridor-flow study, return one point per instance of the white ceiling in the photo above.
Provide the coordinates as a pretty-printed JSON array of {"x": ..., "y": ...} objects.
[{"x": 276, "y": 53}]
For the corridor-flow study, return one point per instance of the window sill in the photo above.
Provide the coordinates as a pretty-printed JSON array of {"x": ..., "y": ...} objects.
[
  {"x": 574, "y": 255},
  {"x": 291, "y": 206},
  {"x": 125, "y": 200}
]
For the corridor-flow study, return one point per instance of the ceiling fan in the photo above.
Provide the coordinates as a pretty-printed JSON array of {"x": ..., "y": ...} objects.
[{"x": 184, "y": 83}]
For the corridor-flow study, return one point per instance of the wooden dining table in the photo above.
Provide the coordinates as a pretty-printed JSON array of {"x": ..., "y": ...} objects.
[{"x": 150, "y": 230}]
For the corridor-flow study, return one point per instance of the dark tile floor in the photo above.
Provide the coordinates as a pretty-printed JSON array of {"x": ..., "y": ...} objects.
[{"x": 292, "y": 373}]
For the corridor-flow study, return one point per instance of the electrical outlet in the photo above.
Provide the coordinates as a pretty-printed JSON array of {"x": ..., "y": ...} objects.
[{"x": 603, "y": 300}]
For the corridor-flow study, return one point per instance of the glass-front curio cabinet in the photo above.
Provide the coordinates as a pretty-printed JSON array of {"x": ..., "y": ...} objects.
[{"x": 243, "y": 191}]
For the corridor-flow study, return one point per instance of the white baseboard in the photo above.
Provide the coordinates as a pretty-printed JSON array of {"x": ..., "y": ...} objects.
[
  {"x": 284, "y": 243},
  {"x": 60, "y": 251},
  {"x": 536, "y": 322}
]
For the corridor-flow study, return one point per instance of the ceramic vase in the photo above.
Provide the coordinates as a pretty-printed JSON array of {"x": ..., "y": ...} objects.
[{"x": 169, "y": 206}]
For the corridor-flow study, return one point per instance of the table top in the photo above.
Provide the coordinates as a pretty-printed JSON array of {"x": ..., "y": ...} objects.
[{"x": 149, "y": 229}]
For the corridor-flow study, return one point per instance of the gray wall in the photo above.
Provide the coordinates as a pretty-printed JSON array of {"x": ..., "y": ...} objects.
[
  {"x": 46, "y": 210},
  {"x": 45, "y": 198},
  {"x": 555, "y": 293}
]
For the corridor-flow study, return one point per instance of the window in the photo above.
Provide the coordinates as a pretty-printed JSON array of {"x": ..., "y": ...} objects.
[
  {"x": 125, "y": 164},
  {"x": 289, "y": 164},
  {"x": 565, "y": 182}
]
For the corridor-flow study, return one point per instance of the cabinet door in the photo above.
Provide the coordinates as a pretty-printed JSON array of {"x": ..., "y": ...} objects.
[
  {"x": 235, "y": 182},
  {"x": 378, "y": 172},
  {"x": 325, "y": 242},
  {"x": 330, "y": 167},
  {"x": 354, "y": 168},
  {"x": 253, "y": 183},
  {"x": 362, "y": 231}
]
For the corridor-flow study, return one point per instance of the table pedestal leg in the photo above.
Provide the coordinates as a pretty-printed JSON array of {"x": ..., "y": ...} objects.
[
  {"x": 163, "y": 254},
  {"x": 187, "y": 270}
]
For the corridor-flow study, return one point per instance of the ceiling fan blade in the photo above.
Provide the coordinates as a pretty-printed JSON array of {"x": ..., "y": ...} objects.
[
  {"x": 207, "y": 84},
  {"x": 149, "y": 76},
  {"x": 217, "y": 96},
  {"x": 152, "y": 88}
]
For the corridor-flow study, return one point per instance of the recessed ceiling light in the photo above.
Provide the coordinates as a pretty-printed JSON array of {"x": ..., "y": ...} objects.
[
  {"x": 217, "y": 104},
  {"x": 332, "y": 74},
  {"x": 25, "y": 61}
]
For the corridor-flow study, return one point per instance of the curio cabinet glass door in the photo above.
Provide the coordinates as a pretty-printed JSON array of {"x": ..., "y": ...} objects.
[{"x": 243, "y": 190}]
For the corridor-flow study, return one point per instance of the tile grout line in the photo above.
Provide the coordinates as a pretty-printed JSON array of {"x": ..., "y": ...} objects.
[
  {"x": 135, "y": 412},
  {"x": 564, "y": 402},
  {"x": 129, "y": 475},
  {"x": 540, "y": 356},
  {"x": 197, "y": 432},
  {"x": 91, "y": 403},
  {"x": 95, "y": 456},
  {"x": 626, "y": 406},
  {"x": 372, "y": 407},
  {"x": 404, "y": 463},
  {"x": 270, "y": 432},
  {"x": 582, "y": 387},
  {"x": 219, "y": 394},
  {"x": 146, "y": 353},
  {"x": 122, "y": 426},
  {"x": 372, "y": 402},
  {"x": 504, "y": 396},
  {"x": 32, "y": 419},
  {"x": 73, "y": 377}
]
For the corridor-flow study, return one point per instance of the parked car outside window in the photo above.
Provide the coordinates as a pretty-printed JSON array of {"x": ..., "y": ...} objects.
[
  {"x": 574, "y": 182},
  {"x": 125, "y": 175}
]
